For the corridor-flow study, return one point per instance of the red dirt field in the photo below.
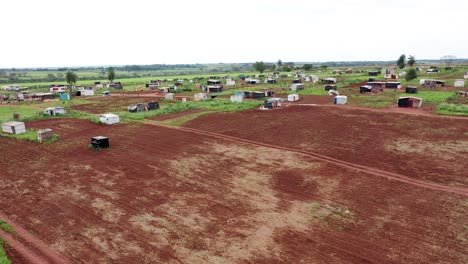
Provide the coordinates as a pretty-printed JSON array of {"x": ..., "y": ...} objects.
[
  {"x": 168, "y": 195},
  {"x": 400, "y": 143},
  {"x": 176, "y": 115}
]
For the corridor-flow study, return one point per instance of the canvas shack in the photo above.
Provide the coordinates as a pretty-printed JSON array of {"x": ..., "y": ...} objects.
[
  {"x": 44, "y": 134},
  {"x": 252, "y": 81},
  {"x": 340, "y": 99},
  {"x": 409, "y": 101},
  {"x": 213, "y": 82},
  {"x": 200, "y": 97},
  {"x": 373, "y": 73},
  {"x": 272, "y": 103},
  {"x": 14, "y": 127},
  {"x": 297, "y": 81},
  {"x": 84, "y": 91},
  {"x": 377, "y": 86},
  {"x": 99, "y": 142},
  {"x": 296, "y": 87},
  {"x": 366, "y": 89},
  {"x": 270, "y": 81},
  {"x": 330, "y": 87},
  {"x": 411, "y": 89},
  {"x": 230, "y": 82},
  {"x": 329, "y": 80},
  {"x": 214, "y": 88},
  {"x": 293, "y": 97},
  {"x": 57, "y": 88},
  {"x": 141, "y": 107},
  {"x": 459, "y": 83},
  {"x": 393, "y": 85},
  {"x": 237, "y": 98},
  {"x": 432, "y": 83},
  {"x": 115, "y": 85},
  {"x": 169, "y": 96},
  {"x": 432, "y": 70},
  {"x": 54, "y": 111},
  {"x": 109, "y": 119},
  {"x": 42, "y": 96},
  {"x": 257, "y": 94}
]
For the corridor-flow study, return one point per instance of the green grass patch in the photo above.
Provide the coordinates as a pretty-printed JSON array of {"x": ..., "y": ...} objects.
[
  {"x": 179, "y": 121},
  {"x": 435, "y": 96},
  {"x": 6, "y": 227},
  {"x": 453, "y": 109},
  {"x": 30, "y": 111},
  {"x": 220, "y": 105},
  {"x": 29, "y": 135},
  {"x": 3, "y": 256},
  {"x": 308, "y": 91}
]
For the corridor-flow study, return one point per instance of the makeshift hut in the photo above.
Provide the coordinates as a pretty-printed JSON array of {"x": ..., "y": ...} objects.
[
  {"x": 330, "y": 87},
  {"x": 411, "y": 89},
  {"x": 54, "y": 111},
  {"x": 393, "y": 85},
  {"x": 296, "y": 87},
  {"x": 14, "y": 127},
  {"x": 409, "y": 101},
  {"x": 200, "y": 97},
  {"x": 366, "y": 89},
  {"x": 44, "y": 134},
  {"x": 109, "y": 119},
  {"x": 99, "y": 142},
  {"x": 340, "y": 99},
  {"x": 293, "y": 97},
  {"x": 329, "y": 80},
  {"x": 459, "y": 83}
]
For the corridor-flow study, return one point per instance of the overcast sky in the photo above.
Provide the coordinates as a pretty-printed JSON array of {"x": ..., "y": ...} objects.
[{"x": 59, "y": 33}]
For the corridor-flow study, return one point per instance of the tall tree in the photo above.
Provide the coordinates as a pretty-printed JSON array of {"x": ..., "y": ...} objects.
[
  {"x": 280, "y": 63},
  {"x": 307, "y": 67},
  {"x": 259, "y": 66},
  {"x": 71, "y": 79},
  {"x": 411, "y": 60},
  {"x": 111, "y": 74},
  {"x": 401, "y": 62}
]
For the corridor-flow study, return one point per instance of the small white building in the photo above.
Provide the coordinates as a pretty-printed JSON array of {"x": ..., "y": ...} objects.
[
  {"x": 230, "y": 82},
  {"x": 200, "y": 97},
  {"x": 252, "y": 81},
  {"x": 14, "y": 127},
  {"x": 296, "y": 86},
  {"x": 340, "y": 99},
  {"x": 293, "y": 97},
  {"x": 54, "y": 111},
  {"x": 459, "y": 83},
  {"x": 169, "y": 96},
  {"x": 109, "y": 119},
  {"x": 85, "y": 91},
  {"x": 237, "y": 98}
]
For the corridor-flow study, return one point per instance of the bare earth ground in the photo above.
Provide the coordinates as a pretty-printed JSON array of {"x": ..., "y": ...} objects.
[
  {"x": 164, "y": 195},
  {"x": 432, "y": 148}
]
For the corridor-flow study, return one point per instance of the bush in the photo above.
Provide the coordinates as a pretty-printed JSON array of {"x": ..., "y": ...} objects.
[{"x": 411, "y": 75}]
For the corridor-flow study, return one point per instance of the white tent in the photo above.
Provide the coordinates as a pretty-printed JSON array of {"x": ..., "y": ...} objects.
[{"x": 109, "y": 119}]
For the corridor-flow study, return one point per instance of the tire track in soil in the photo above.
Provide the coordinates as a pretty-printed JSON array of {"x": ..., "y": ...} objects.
[
  {"x": 33, "y": 250},
  {"x": 365, "y": 169}
]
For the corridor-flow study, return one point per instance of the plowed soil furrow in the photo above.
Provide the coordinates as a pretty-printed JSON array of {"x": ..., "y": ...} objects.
[
  {"x": 345, "y": 164},
  {"x": 36, "y": 251}
]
